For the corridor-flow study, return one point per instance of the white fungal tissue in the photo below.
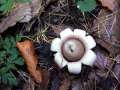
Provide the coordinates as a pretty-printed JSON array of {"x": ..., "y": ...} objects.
[{"x": 73, "y": 49}]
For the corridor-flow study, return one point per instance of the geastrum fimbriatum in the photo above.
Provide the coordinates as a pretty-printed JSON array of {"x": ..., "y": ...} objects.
[{"x": 73, "y": 49}]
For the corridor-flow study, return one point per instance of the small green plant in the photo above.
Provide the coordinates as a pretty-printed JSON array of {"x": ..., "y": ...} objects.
[
  {"x": 7, "y": 5},
  {"x": 86, "y": 5},
  {"x": 9, "y": 60}
]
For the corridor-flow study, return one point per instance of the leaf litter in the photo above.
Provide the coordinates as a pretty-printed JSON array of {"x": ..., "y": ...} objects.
[{"x": 104, "y": 75}]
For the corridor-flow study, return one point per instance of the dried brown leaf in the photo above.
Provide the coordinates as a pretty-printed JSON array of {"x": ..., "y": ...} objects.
[
  {"x": 110, "y": 4},
  {"x": 27, "y": 51}
]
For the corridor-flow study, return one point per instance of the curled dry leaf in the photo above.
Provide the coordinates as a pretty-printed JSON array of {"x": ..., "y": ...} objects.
[
  {"x": 110, "y": 4},
  {"x": 27, "y": 51}
]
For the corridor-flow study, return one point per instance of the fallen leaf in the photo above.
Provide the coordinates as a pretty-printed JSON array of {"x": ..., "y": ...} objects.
[
  {"x": 106, "y": 30},
  {"x": 23, "y": 12},
  {"x": 27, "y": 51},
  {"x": 110, "y": 4},
  {"x": 102, "y": 63}
]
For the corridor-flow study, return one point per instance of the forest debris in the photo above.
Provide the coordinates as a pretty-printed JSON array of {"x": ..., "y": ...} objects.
[
  {"x": 58, "y": 28},
  {"x": 102, "y": 63},
  {"x": 76, "y": 86},
  {"x": 103, "y": 60},
  {"x": 5, "y": 87},
  {"x": 23, "y": 12},
  {"x": 27, "y": 51},
  {"x": 106, "y": 30},
  {"x": 116, "y": 72},
  {"x": 55, "y": 81},
  {"x": 110, "y": 4},
  {"x": 83, "y": 85},
  {"x": 65, "y": 84},
  {"x": 116, "y": 68},
  {"x": 29, "y": 85},
  {"x": 118, "y": 58},
  {"x": 46, "y": 79}
]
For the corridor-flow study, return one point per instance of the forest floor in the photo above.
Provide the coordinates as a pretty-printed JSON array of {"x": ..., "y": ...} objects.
[{"x": 44, "y": 27}]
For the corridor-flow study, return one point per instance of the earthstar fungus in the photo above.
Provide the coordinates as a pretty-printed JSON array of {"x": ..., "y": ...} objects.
[{"x": 73, "y": 49}]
